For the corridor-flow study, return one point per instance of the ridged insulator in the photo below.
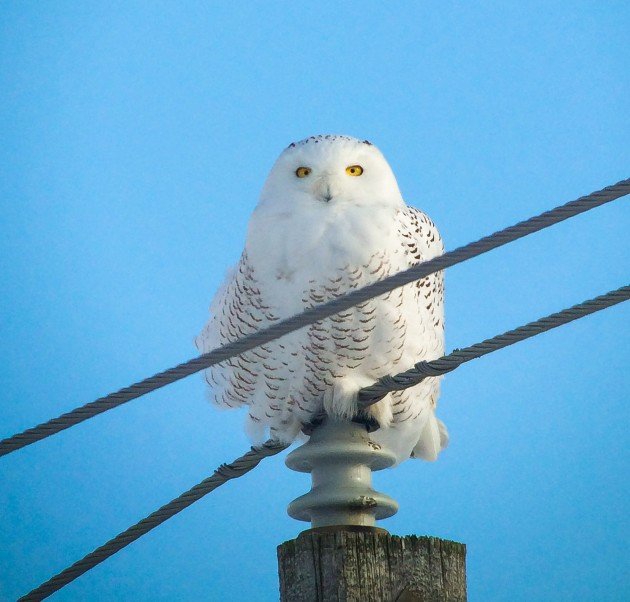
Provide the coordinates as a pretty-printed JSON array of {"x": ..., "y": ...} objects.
[{"x": 341, "y": 457}]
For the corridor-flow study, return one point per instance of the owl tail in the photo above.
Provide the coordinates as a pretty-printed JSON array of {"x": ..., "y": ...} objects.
[{"x": 433, "y": 439}]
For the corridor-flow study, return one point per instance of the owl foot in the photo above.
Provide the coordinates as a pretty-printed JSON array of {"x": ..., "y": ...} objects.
[
  {"x": 370, "y": 423},
  {"x": 341, "y": 400},
  {"x": 308, "y": 427}
]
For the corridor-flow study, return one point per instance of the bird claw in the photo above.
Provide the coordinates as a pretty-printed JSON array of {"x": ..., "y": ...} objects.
[{"x": 369, "y": 422}]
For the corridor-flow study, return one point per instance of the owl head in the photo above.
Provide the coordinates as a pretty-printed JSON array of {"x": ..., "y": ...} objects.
[{"x": 329, "y": 171}]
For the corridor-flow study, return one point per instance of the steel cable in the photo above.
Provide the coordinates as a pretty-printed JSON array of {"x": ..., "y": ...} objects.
[
  {"x": 448, "y": 363},
  {"x": 310, "y": 316}
]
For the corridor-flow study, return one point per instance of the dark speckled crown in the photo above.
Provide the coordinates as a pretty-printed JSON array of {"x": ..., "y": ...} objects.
[{"x": 326, "y": 137}]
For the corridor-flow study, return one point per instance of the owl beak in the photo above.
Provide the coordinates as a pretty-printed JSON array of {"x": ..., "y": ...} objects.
[{"x": 323, "y": 190}]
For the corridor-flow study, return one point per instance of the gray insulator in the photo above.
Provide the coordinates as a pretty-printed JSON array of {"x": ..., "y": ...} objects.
[{"x": 340, "y": 457}]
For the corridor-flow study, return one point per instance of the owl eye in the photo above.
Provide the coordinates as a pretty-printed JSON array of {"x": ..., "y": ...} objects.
[
  {"x": 302, "y": 172},
  {"x": 354, "y": 170}
]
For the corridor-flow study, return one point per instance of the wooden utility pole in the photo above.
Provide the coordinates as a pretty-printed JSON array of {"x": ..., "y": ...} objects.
[
  {"x": 345, "y": 557},
  {"x": 358, "y": 564}
]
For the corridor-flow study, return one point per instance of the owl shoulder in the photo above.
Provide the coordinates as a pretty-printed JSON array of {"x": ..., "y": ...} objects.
[{"x": 419, "y": 234}]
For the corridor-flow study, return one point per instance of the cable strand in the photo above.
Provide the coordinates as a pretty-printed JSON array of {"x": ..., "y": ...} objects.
[
  {"x": 447, "y": 363},
  {"x": 309, "y": 316}
]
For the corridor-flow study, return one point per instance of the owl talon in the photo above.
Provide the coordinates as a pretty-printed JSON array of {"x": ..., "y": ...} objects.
[
  {"x": 370, "y": 423},
  {"x": 308, "y": 427}
]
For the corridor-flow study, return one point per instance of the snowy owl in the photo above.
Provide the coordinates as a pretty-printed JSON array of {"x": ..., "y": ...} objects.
[{"x": 331, "y": 219}]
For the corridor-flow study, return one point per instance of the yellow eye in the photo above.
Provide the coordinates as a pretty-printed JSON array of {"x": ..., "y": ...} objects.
[
  {"x": 302, "y": 172},
  {"x": 354, "y": 170}
]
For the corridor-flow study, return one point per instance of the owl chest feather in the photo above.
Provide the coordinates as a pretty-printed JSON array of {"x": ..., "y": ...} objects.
[{"x": 289, "y": 252}]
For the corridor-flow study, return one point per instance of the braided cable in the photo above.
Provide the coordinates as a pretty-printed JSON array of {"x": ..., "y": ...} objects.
[
  {"x": 221, "y": 475},
  {"x": 448, "y": 363},
  {"x": 312, "y": 315}
]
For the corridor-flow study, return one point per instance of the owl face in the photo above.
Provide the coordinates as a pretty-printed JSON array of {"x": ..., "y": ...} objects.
[{"x": 330, "y": 171}]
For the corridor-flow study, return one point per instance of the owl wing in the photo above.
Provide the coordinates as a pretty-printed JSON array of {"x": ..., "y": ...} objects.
[
  {"x": 259, "y": 378},
  {"x": 236, "y": 311},
  {"x": 422, "y": 242}
]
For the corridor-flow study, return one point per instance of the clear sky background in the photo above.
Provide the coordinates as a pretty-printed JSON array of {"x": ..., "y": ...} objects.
[{"x": 134, "y": 140}]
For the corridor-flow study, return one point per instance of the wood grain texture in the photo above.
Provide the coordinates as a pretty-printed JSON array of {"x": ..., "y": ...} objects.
[{"x": 370, "y": 565}]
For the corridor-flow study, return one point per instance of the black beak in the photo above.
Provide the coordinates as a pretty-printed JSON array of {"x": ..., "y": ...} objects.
[{"x": 327, "y": 196}]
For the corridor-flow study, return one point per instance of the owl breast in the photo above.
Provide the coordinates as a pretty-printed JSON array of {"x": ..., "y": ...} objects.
[{"x": 291, "y": 251}]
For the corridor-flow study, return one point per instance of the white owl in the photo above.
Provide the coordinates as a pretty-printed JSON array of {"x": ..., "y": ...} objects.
[{"x": 331, "y": 219}]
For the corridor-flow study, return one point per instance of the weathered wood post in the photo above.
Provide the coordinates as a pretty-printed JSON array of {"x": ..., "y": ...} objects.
[{"x": 344, "y": 557}]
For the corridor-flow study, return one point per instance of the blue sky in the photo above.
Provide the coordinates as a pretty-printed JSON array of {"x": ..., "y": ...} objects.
[{"x": 135, "y": 139}]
